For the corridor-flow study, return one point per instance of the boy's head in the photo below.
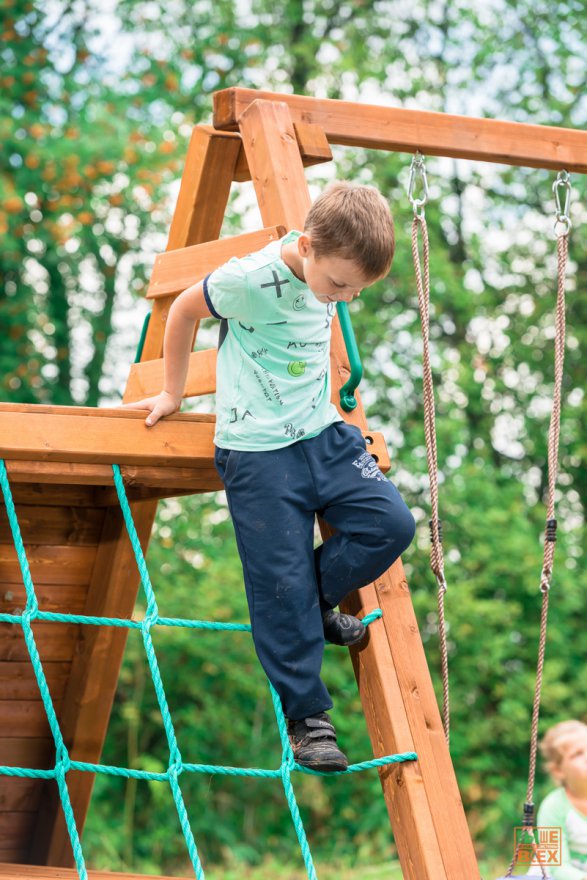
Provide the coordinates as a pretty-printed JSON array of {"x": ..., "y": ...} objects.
[
  {"x": 564, "y": 749},
  {"x": 348, "y": 241}
]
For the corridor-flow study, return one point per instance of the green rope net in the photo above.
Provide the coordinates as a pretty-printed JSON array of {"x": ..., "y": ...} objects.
[{"x": 176, "y": 766}]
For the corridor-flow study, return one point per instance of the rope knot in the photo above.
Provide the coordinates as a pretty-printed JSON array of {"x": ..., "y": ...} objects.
[
  {"x": 150, "y": 618},
  {"x": 176, "y": 767},
  {"x": 62, "y": 762},
  {"x": 30, "y": 613}
]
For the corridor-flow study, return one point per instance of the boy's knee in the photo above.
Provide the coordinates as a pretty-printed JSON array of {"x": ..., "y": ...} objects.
[
  {"x": 406, "y": 529},
  {"x": 396, "y": 529}
]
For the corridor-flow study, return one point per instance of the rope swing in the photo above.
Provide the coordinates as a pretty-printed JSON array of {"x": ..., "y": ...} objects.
[
  {"x": 562, "y": 226},
  {"x": 422, "y": 270}
]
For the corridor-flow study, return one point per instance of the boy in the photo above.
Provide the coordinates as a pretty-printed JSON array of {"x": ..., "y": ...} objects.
[{"x": 283, "y": 451}]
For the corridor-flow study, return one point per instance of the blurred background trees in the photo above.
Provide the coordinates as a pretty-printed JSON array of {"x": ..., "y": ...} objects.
[{"x": 96, "y": 109}]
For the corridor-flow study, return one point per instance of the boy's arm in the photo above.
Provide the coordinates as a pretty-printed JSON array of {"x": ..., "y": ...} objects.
[{"x": 188, "y": 308}]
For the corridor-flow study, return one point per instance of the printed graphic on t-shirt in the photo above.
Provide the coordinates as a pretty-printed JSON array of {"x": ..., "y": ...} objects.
[{"x": 274, "y": 360}]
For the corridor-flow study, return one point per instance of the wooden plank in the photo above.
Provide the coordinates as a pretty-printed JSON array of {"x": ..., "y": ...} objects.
[
  {"x": 102, "y": 436},
  {"x": 64, "y": 598},
  {"x": 313, "y": 145},
  {"x": 35, "y": 492},
  {"x": 56, "y": 642},
  {"x": 16, "y": 828},
  {"x": 146, "y": 378},
  {"x": 48, "y": 564},
  {"x": 206, "y": 182},
  {"x": 26, "y": 718},
  {"x": 380, "y": 696},
  {"x": 173, "y": 480},
  {"x": 32, "y": 872},
  {"x": 18, "y": 682},
  {"x": 174, "y": 271},
  {"x": 434, "y": 134},
  {"x": 140, "y": 481},
  {"x": 15, "y": 856},
  {"x": 36, "y": 754},
  {"x": 54, "y": 525},
  {"x": 60, "y": 475},
  {"x": 425, "y": 810}
]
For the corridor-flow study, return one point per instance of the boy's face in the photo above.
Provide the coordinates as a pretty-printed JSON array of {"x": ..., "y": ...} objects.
[
  {"x": 573, "y": 765},
  {"x": 331, "y": 279}
]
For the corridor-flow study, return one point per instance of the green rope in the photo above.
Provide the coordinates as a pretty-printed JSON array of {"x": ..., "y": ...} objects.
[{"x": 176, "y": 766}]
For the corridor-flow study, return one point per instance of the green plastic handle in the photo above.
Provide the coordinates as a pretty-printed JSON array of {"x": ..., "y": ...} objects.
[
  {"x": 142, "y": 339},
  {"x": 347, "y": 393}
]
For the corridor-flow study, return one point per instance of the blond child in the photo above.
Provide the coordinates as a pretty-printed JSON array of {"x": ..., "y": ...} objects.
[
  {"x": 564, "y": 749},
  {"x": 283, "y": 451}
]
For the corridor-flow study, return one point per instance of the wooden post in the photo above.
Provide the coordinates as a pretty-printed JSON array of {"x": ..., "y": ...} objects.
[
  {"x": 88, "y": 698},
  {"x": 423, "y": 800}
]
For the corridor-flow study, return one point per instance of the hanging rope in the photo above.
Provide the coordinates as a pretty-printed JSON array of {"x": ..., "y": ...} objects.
[
  {"x": 562, "y": 227},
  {"x": 422, "y": 270}
]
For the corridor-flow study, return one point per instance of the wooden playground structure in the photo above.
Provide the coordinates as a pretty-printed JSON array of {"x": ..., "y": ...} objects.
[{"x": 58, "y": 461}]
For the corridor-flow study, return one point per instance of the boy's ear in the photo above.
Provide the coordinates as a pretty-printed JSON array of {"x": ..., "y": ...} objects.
[{"x": 304, "y": 245}]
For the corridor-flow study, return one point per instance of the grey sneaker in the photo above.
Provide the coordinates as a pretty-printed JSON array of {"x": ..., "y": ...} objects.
[
  {"x": 313, "y": 742},
  {"x": 343, "y": 629}
]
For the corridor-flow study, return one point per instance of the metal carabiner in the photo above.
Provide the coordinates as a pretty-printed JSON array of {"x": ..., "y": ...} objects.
[
  {"x": 418, "y": 172},
  {"x": 562, "y": 182}
]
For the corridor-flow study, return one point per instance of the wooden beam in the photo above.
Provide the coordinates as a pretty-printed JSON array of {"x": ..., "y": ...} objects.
[
  {"x": 422, "y": 798},
  {"x": 173, "y": 271},
  {"x": 313, "y": 145},
  {"x": 206, "y": 182},
  {"x": 103, "y": 436},
  {"x": 140, "y": 482},
  {"x": 434, "y": 134},
  {"x": 146, "y": 379}
]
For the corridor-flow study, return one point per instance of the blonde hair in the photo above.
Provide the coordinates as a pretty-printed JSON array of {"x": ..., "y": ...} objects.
[
  {"x": 353, "y": 221},
  {"x": 552, "y": 746}
]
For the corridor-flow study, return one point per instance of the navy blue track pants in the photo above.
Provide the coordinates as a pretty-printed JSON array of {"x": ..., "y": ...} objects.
[{"x": 273, "y": 498}]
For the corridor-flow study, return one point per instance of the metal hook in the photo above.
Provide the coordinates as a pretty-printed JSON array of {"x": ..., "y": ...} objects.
[
  {"x": 562, "y": 182},
  {"x": 418, "y": 172}
]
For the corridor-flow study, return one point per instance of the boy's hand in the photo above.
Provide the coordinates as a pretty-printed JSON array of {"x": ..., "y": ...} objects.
[{"x": 164, "y": 404}]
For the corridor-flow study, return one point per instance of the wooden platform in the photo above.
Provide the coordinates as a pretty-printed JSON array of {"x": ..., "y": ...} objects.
[{"x": 59, "y": 464}]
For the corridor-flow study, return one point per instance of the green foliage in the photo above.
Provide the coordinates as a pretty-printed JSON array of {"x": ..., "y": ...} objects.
[{"x": 92, "y": 143}]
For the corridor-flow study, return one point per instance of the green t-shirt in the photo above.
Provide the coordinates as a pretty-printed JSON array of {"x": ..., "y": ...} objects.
[
  {"x": 273, "y": 369},
  {"x": 557, "y": 811}
]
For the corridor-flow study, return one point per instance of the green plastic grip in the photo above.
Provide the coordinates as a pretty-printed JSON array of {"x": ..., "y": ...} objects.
[{"x": 347, "y": 393}]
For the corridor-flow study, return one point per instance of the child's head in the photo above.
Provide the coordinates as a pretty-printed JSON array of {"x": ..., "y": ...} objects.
[
  {"x": 564, "y": 749},
  {"x": 348, "y": 241}
]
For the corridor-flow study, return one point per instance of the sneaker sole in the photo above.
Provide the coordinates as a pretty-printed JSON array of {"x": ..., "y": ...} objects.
[
  {"x": 354, "y": 641},
  {"x": 324, "y": 766}
]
